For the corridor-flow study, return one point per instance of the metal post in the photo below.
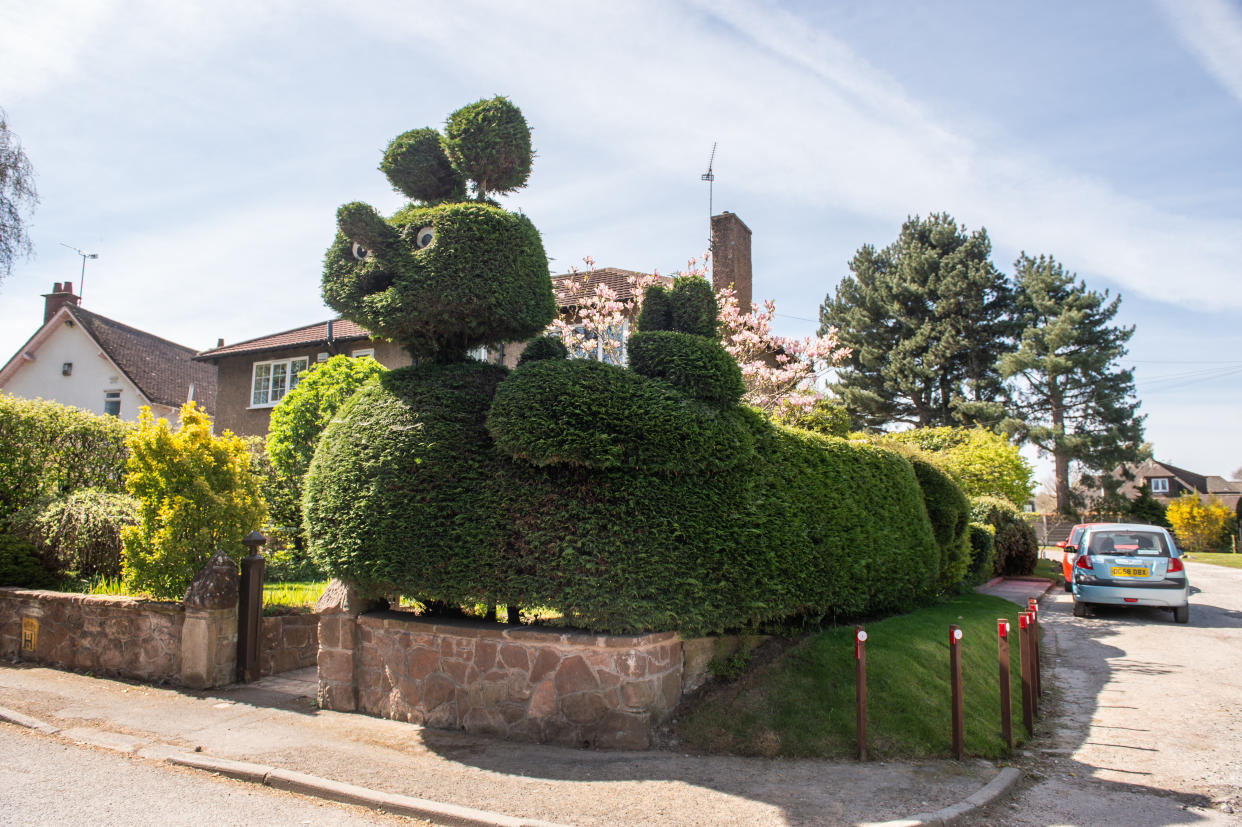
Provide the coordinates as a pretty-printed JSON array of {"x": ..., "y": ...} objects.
[
  {"x": 1006, "y": 701},
  {"x": 1024, "y": 653},
  {"x": 955, "y": 682},
  {"x": 250, "y": 609},
  {"x": 1037, "y": 678},
  {"x": 860, "y": 658}
]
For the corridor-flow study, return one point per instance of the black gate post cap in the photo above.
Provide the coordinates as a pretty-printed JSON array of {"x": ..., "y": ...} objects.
[{"x": 254, "y": 541}]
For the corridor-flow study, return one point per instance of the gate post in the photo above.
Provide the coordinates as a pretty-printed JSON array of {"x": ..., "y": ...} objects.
[{"x": 250, "y": 609}]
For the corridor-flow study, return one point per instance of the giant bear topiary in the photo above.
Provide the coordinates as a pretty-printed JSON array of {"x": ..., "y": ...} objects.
[{"x": 629, "y": 499}]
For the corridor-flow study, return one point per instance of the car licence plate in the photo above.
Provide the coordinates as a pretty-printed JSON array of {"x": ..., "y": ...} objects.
[{"x": 1126, "y": 571}]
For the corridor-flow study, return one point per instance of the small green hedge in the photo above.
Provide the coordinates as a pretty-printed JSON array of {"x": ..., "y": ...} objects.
[
  {"x": 1017, "y": 547},
  {"x": 586, "y": 413},
  {"x": 694, "y": 365},
  {"x": 20, "y": 565},
  {"x": 80, "y": 534},
  {"x": 982, "y": 552},
  {"x": 48, "y": 450},
  {"x": 949, "y": 512}
]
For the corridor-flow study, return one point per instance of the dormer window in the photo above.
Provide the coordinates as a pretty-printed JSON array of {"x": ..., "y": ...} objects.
[{"x": 1159, "y": 485}]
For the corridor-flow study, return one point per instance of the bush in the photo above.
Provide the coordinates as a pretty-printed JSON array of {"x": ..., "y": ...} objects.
[
  {"x": 1017, "y": 547},
  {"x": 695, "y": 365},
  {"x": 1199, "y": 526},
  {"x": 80, "y": 534},
  {"x": 982, "y": 552},
  {"x": 20, "y": 566},
  {"x": 827, "y": 416},
  {"x": 1147, "y": 509},
  {"x": 49, "y": 450},
  {"x": 408, "y": 494},
  {"x": 949, "y": 512},
  {"x": 196, "y": 493},
  {"x": 543, "y": 347},
  {"x": 586, "y": 413},
  {"x": 984, "y": 464}
]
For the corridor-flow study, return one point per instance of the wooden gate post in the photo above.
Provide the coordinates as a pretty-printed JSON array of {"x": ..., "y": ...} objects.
[{"x": 250, "y": 609}]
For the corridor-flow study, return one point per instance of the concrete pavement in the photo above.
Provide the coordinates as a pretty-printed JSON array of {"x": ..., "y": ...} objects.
[{"x": 270, "y": 732}]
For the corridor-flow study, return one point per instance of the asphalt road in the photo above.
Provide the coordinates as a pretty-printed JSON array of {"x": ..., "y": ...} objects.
[
  {"x": 1144, "y": 723},
  {"x": 47, "y": 781}
]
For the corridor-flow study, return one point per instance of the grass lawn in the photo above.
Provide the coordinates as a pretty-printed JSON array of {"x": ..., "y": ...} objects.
[
  {"x": 294, "y": 595},
  {"x": 1233, "y": 561},
  {"x": 1050, "y": 569},
  {"x": 802, "y": 703}
]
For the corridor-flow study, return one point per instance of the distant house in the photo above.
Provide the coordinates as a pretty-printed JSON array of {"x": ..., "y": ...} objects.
[
  {"x": 255, "y": 374},
  {"x": 1167, "y": 482},
  {"x": 89, "y": 361}
]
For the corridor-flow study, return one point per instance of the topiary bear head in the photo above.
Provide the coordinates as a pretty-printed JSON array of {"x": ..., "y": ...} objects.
[{"x": 446, "y": 273}]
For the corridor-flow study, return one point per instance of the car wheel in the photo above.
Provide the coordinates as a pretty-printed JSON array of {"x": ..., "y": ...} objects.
[
  {"x": 1080, "y": 609},
  {"x": 1181, "y": 614}
]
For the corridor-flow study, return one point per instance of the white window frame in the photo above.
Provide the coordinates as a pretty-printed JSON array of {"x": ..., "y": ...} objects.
[
  {"x": 289, "y": 379},
  {"x": 1159, "y": 485},
  {"x": 112, "y": 396},
  {"x": 621, "y": 356},
  {"x": 358, "y": 354}
]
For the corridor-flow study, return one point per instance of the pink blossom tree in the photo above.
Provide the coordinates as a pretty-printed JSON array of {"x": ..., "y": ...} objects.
[{"x": 780, "y": 372}]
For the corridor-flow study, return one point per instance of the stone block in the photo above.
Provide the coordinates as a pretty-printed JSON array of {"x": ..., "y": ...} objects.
[
  {"x": 638, "y": 695},
  {"x": 583, "y": 707},
  {"x": 438, "y": 689},
  {"x": 485, "y": 652},
  {"x": 623, "y": 730},
  {"x": 484, "y": 721},
  {"x": 411, "y": 690},
  {"x": 542, "y": 701},
  {"x": 421, "y": 662},
  {"x": 574, "y": 675},
  {"x": 337, "y": 697},
  {"x": 443, "y": 716},
  {"x": 336, "y": 666},
  {"x": 514, "y": 656},
  {"x": 546, "y": 662}
]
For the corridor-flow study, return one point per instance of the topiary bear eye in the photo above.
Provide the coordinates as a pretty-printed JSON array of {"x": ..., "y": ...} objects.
[
  {"x": 424, "y": 237},
  {"x": 360, "y": 252}
]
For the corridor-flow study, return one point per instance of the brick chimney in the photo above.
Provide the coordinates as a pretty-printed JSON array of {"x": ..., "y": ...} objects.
[
  {"x": 731, "y": 257},
  {"x": 61, "y": 295}
]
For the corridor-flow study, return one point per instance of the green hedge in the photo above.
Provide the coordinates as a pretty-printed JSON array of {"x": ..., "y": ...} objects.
[
  {"x": 949, "y": 512},
  {"x": 982, "y": 552},
  {"x": 79, "y": 534},
  {"x": 1017, "y": 547},
  {"x": 587, "y": 413},
  {"x": 407, "y": 494},
  {"x": 694, "y": 365},
  {"x": 48, "y": 450},
  {"x": 20, "y": 565}
]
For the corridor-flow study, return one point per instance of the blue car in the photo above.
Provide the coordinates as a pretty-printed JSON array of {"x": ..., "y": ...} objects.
[{"x": 1123, "y": 564}]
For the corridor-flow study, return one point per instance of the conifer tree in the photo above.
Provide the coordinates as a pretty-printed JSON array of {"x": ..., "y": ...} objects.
[
  {"x": 926, "y": 319},
  {"x": 1068, "y": 395}
]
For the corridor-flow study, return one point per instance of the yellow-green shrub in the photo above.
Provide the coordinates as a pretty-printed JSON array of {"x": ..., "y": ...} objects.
[
  {"x": 196, "y": 494},
  {"x": 1199, "y": 526}
]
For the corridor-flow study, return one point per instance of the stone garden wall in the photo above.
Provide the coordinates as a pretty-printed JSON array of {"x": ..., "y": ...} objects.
[
  {"x": 289, "y": 642},
  {"x": 104, "y": 634}
]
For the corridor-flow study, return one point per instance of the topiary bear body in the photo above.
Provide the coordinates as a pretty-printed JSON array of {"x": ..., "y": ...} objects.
[{"x": 629, "y": 499}]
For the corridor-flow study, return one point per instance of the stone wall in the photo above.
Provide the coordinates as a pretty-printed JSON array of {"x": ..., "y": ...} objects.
[
  {"x": 104, "y": 634},
  {"x": 289, "y": 642}
]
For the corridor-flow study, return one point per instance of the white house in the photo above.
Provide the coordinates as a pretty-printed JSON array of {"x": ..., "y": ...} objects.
[{"x": 82, "y": 359}]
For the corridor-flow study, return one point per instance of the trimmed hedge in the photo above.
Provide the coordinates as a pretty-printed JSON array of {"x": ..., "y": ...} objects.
[
  {"x": 80, "y": 533},
  {"x": 543, "y": 347},
  {"x": 20, "y": 566},
  {"x": 48, "y": 450},
  {"x": 949, "y": 512},
  {"x": 1017, "y": 547},
  {"x": 407, "y": 494},
  {"x": 417, "y": 166},
  {"x": 591, "y": 414},
  {"x": 694, "y": 365},
  {"x": 982, "y": 552}
]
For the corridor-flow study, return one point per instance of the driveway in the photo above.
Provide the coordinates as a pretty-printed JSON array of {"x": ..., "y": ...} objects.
[{"x": 1143, "y": 725}]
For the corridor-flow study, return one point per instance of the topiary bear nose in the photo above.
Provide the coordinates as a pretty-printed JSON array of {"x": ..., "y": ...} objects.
[{"x": 361, "y": 224}]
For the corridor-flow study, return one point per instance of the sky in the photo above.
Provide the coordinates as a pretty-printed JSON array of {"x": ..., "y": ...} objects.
[{"x": 201, "y": 150}]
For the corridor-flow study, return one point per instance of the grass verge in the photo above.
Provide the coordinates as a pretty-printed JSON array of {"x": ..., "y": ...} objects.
[
  {"x": 296, "y": 595},
  {"x": 802, "y": 703},
  {"x": 1216, "y": 558}
]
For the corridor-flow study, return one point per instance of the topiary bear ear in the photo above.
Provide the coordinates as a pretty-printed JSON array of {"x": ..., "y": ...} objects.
[
  {"x": 657, "y": 312},
  {"x": 417, "y": 165},
  {"x": 488, "y": 142}
]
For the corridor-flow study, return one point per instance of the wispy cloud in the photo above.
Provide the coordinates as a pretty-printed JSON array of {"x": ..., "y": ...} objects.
[{"x": 1212, "y": 31}]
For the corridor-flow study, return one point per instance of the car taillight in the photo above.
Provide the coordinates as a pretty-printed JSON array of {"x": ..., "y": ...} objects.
[
  {"x": 1175, "y": 564},
  {"x": 1083, "y": 562}
]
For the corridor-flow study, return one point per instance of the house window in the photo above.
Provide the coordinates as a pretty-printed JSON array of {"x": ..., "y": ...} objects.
[
  {"x": 272, "y": 380},
  {"x": 358, "y": 354},
  {"x": 112, "y": 403},
  {"x": 479, "y": 354},
  {"x": 611, "y": 348},
  {"x": 1160, "y": 485}
]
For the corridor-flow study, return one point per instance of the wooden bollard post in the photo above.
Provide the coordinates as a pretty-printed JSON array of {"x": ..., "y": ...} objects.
[
  {"x": 1024, "y": 653},
  {"x": 860, "y": 659},
  {"x": 955, "y": 683},
  {"x": 1006, "y": 703},
  {"x": 250, "y": 609},
  {"x": 1037, "y": 677}
]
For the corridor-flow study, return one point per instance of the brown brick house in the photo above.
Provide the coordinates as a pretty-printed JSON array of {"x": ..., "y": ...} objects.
[{"x": 1167, "y": 482}]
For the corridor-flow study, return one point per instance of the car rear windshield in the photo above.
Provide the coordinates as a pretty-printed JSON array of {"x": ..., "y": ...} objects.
[{"x": 1147, "y": 543}]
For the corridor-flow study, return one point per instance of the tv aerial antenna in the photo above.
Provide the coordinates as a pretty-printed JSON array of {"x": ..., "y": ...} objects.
[
  {"x": 85, "y": 256},
  {"x": 710, "y": 178}
]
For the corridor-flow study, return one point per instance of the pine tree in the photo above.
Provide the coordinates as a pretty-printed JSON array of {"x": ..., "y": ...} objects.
[
  {"x": 1068, "y": 396},
  {"x": 926, "y": 319}
]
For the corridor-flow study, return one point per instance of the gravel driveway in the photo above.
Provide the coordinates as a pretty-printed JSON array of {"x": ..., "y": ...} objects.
[{"x": 1144, "y": 724}]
